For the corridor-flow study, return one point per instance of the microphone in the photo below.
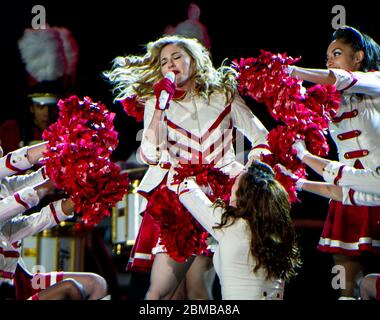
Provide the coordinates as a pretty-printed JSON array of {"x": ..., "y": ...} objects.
[{"x": 164, "y": 96}]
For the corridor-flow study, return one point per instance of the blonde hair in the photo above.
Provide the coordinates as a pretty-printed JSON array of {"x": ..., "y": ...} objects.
[{"x": 135, "y": 75}]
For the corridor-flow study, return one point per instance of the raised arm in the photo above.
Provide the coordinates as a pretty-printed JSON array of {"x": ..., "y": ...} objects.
[
  {"x": 18, "y": 182},
  {"x": 345, "y": 81},
  {"x": 338, "y": 173},
  {"x": 21, "y": 159},
  {"x": 23, "y": 200},
  {"x": 200, "y": 206},
  {"x": 352, "y": 197},
  {"x": 24, "y": 226}
]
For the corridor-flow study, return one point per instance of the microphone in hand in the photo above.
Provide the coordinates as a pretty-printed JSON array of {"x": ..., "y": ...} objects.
[{"x": 164, "y": 91}]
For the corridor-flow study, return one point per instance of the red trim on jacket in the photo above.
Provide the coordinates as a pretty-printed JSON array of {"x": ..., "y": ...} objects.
[
  {"x": 354, "y": 80},
  {"x": 345, "y": 115},
  {"x": 6, "y": 274},
  {"x": 20, "y": 201},
  {"x": 339, "y": 175},
  {"x": 261, "y": 146},
  {"x": 192, "y": 136},
  {"x": 9, "y": 165},
  {"x": 54, "y": 213},
  {"x": 9, "y": 253},
  {"x": 351, "y": 195},
  {"x": 356, "y": 154},
  {"x": 349, "y": 135}
]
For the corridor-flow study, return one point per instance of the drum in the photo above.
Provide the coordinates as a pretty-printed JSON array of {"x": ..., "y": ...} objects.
[
  {"x": 126, "y": 218},
  {"x": 57, "y": 249}
]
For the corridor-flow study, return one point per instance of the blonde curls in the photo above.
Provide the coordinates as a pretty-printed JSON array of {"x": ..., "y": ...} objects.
[{"x": 135, "y": 75}]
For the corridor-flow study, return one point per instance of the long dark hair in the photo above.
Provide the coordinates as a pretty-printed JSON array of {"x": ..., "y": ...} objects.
[
  {"x": 264, "y": 203},
  {"x": 360, "y": 41}
]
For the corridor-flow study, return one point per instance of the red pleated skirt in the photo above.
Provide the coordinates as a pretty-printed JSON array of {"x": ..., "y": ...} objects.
[{"x": 351, "y": 230}]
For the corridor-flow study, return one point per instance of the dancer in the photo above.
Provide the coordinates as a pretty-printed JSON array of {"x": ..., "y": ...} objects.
[
  {"x": 195, "y": 127},
  {"x": 257, "y": 248},
  {"x": 353, "y": 62},
  {"x": 22, "y": 192}
]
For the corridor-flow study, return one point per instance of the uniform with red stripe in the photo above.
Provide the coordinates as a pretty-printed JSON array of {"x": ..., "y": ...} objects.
[
  {"x": 199, "y": 131},
  {"x": 16, "y": 196},
  {"x": 356, "y": 132},
  {"x": 359, "y": 186}
]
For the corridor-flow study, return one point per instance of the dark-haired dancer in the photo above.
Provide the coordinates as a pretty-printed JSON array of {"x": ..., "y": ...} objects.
[
  {"x": 257, "y": 247},
  {"x": 353, "y": 62}
]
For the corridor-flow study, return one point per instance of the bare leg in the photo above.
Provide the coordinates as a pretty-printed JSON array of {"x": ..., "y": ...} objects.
[
  {"x": 166, "y": 276},
  {"x": 180, "y": 293},
  {"x": 200, "y": 278},
  {"x": 93, "y": 284},
  {"x": 68, "y": 289},
  {"x": 368, "y": 287},
  {"x": 353, "y": 269}
]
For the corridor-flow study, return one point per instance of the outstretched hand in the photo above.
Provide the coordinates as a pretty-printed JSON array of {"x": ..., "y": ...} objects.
[
  {"x": 299, "y": 181},
  {"x": 300, "y": 147}
]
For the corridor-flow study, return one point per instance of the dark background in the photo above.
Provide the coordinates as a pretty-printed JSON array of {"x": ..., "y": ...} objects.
[
  {"x": 238, "y": 28},
  {"x": 106, "y": 29}
]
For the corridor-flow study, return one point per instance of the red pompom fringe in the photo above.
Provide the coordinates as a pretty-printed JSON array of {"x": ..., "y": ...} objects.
[
  {"x": 180, "y": 233},
  {"x": 133, "y": 108},
  {"x": 301, "y": 115},
  {"x": 78, "y": 157}
]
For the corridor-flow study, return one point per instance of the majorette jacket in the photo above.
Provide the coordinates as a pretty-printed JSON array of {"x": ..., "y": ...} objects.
[
  {"x": 360, "y": 186},
  {"x": 197, "y": 130},
  {"x": 16, "y": 196},
  {"x": 356, "y": 127}
]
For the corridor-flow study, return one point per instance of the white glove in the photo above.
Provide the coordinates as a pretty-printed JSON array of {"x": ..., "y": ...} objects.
[
  {"x": 289, "y": 70},
  {"x": 29, "y": 196},
  {"x": 300, "y": 147},
  {"x": 287, "y": 172}
]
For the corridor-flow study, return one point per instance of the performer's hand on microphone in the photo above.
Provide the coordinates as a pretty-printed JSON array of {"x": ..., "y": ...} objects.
[{"x": 160, "y": 87}]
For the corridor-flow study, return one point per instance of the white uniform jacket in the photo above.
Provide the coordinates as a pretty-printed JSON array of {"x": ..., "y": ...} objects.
[
  {"x": 199, "y": 131},
  {"x": 16, "y": 193},
  {"x": 20, "y": 227},
  {"x": 360, "y": 186},
  {"x": 233, "y": 260},
  {"x": 356, "y": 127},
  {"x": 16, "y": 196}
]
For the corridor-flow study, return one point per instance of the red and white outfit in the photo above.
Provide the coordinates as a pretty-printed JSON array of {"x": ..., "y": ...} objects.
[
  {"x": 16, "y": 196},
  {"x": 360, "y": 186},
  {"x": 198, "y": 131},
  {"x": 232, "y": 259},
  {"x": 356, "y": 132}
]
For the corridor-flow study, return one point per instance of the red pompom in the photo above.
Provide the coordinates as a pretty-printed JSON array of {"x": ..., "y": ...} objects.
[
  {"x": 302, "y": 115},
  {"x": 134, "y": 108},
  {"x": 180, "y": 233},
  {"x": 78, "y": 157}
]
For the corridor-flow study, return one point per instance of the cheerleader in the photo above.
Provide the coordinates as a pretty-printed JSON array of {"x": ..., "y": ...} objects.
[
  {"x": 353, "y": 62},
  {"x": 18, "y": 194}
]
